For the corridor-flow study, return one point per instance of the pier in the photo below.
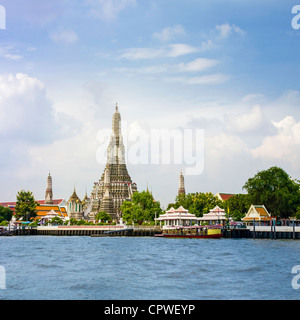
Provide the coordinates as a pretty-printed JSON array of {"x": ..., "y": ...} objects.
[
  {"x": 275, "y": 232},
  {"x": 99, "y": 231},
  {"x": 264, "y": 232},
  {"x": 256, "y": 232},
  {"x": 236, "y": 233}
]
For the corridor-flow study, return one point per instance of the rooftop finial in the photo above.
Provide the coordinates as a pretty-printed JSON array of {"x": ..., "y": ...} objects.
[{"x": 117, "y": 106}]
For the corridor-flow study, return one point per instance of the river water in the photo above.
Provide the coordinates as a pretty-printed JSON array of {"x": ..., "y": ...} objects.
[{"x": 147, "y": 268}]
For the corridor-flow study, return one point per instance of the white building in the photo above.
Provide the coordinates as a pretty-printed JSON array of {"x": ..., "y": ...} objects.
[
  {"x": 215, "y": 216},
  {"x": 177, "y": 217}
]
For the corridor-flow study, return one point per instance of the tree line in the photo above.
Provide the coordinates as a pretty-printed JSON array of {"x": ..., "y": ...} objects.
[{"x": 273, "y": 188}]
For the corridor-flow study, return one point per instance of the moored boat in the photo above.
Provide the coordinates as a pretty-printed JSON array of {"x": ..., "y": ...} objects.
[{"x": 191, "y": 232}]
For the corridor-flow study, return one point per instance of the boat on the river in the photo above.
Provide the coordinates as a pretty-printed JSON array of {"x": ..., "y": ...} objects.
[{"x": 208, "y": 231}]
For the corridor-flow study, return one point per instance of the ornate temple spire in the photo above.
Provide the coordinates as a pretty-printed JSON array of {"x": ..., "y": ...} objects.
[
  {"x": 115, "y": 185},
  {"x": 181, "y": 189},
  {"x": 116, "y": 123},
  {"x": 49, "y": 193},
  {"x": 74, "y": 196},
  {"x": 116, "y": 149},
  {"x": 74, "y": 206}
]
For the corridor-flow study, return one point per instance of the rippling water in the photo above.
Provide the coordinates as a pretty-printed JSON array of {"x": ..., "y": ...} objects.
[{"x": 119, "y": 268}]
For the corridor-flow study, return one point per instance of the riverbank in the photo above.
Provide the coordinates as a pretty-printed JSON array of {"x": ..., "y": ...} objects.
[
  {"x": 88, "y": 230},
  {"x": 259, "y": 232}
]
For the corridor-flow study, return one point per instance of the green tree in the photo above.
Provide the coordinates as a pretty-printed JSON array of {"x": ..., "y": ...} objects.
[
  {"x": 5, "y": 214},
  {"x": 73, "y": 222},
  {"x": 25, "y": 205},
  {"x": 141, "y": 208},
  {"x": 80, "y": 222},
  {"x": 297, "y": 214},
  {"x": 103, "y": 216},
  {"x": 133, "y": 213},
  {"x": 237, "y": 206},
  {"x": 56, "y": 221},
  {"x": 275, "y": 189}
]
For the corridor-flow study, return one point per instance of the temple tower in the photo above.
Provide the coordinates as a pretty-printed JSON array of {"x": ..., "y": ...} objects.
[
  {"x": 115, "y": 185},
  {"x": 49, "y": 193},
  {"x": 75, "y": 207},
  {"x": 181, "y": 189}
]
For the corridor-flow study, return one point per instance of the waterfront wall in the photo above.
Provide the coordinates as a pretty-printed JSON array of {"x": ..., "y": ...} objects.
[
  {"x": 279, "y": 232},
  {"x": 94, "y": 231},
  {"x": 264, "y": 232},
  {"x": 259, "y": 232}
]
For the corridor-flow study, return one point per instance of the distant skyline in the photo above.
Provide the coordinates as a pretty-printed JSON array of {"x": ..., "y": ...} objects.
[{"x": 230, "y": 68}]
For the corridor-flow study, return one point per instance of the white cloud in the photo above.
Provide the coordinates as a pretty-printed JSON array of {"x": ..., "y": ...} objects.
[
  {"x": 252, "y": 96},
  {"x": 214, "y": 38},
  {"x": 175, "y": 50},
  {"x": 109, "y": 9},
  {"x": 26, "y": 112},
  {"x": 225, "y": 157},
  {"x": 197, "y": 65},
  {"x": 211, "y": 79},
  {"x": 64, "y": 36},
  {"x": 33, "y": 135},
  {"x": 170, "y": 51},
  {"x": 7, "y": 52},
  {"x": 287, "y": 126},
  {"x": 142, "y": 53},
  {"x": 284, "y": 146},
  {"x": 245, "y": 122},
  {"x": 155, "y": 69},
  {"x": 225, "y": 146},
  {"x": 225, "y": 30},
  {"x": 206, "y": 45},
  {"x": 180, "y": 49},
  {"x": 169, "y": 33}
]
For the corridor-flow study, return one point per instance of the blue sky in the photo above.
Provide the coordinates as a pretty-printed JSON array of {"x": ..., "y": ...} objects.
[{"x": 228, "y": 67}]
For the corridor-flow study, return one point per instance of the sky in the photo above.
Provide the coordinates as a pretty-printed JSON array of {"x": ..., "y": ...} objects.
[{"x": 221, "y": 74}]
